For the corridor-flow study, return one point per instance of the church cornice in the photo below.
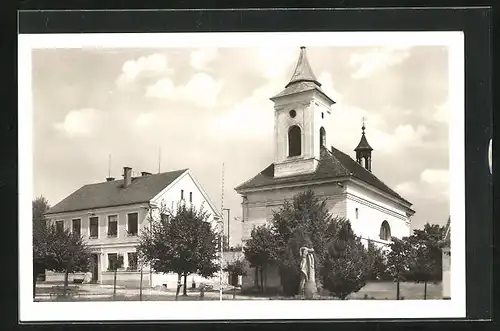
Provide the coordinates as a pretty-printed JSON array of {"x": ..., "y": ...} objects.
[
  {"x": 263, "y": 188},
  {"x": 372, "y": 205},
  {"x": 385, "y": 195}
]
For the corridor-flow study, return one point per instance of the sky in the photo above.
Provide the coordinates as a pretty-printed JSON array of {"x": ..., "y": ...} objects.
[{"x": 209, "y": 106}]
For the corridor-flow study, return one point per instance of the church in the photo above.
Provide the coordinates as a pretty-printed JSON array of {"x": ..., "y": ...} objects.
[{"x": 303, "y": 161}]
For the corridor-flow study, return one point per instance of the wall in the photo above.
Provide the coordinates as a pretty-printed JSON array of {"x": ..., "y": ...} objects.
[
  {"x": 186, "y": 182},
  {"x": 373, "y": 209},
  {"x": 260, "y": 205},
  {"x": 309, "y": 107},
  {"x": 102, "y": 214}
]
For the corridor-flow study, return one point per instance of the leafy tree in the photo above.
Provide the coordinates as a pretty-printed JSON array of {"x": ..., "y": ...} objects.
[
  {"x": 304, "y": 221},
  {"x": 399, "y": 258},
  {"x": 260, "y": 250},
  {"x": 39, "y": 207},
  {"x": 427, "y": 263},
  {"x": 378, "y": 263},
  {"x": 114, "y": 266},
  {"x": 183, "y": 242},
  {"x": 66, "y": 252},
  {"x": 346, "y": 265}
]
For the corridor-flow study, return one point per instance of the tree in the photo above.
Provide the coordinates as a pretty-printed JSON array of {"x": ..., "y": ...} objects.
[
  {"x": 260, "y": 250},
  {"x": 183, "y": 242},
  {"x": 346, "y": 265},
  {"x": 427, "y": 263},
  {"x": 378, "y": 264},
  {"x": 66, "y": 252},
  {"x": 302, "y": 222},
  {"x": 39, "y": 207},
  {"x": 398, "y": 260},
  {"x": 114, "y": 266}
]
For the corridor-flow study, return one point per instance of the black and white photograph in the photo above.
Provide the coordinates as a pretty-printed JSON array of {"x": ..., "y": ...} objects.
[{"x": 242, "y": 175}]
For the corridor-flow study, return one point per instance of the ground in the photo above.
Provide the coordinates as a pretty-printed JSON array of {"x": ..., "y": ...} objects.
[{"x": 93, "y": 292}]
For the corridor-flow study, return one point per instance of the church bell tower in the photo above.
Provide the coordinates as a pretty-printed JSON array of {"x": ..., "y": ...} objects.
[
  {"x": 300, "y": 121},
  {"x": 364, "y": 150}
]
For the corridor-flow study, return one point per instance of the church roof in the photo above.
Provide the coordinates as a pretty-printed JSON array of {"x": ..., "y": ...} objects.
[
  {"x": 447, "y": 231},
  {"x": 332, "y": 164},
  {"x": 363, "y": 144},
  {"x": 303, "y": 79},
  {"x": 110, "y": 194}
]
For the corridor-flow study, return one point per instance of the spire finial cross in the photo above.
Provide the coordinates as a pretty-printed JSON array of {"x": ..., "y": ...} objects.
[{"x": 363, "y": 126}]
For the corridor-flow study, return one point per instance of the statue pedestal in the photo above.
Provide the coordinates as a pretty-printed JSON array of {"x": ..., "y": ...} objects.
[{"x": 310, "y": 289}]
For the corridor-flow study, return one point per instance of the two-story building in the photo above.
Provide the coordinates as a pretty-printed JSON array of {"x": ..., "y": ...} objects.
[{"x": 110, "y": 215}]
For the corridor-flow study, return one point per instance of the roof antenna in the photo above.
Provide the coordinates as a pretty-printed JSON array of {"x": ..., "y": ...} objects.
[
  {"x": 109, "y": 166},
  {"x": 159, "y": 158}
]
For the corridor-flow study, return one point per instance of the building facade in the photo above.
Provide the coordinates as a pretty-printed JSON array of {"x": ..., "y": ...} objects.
[
  {"x": 303, "y": 161},
  {"x": 110, "y": 216},
  {"x": 446, "y": 262}
]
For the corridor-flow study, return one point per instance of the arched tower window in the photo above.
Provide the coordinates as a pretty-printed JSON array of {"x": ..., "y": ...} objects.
[
  {"x": 294, "y": 141},
  {"x": 322, "y": 137},
  {"x": 385, "y": 231}
]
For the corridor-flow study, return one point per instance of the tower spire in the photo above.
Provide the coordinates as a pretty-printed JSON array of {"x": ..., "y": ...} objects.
[
  {"x": 303, "y": 71},
  {"x": 364, "y": 150}
]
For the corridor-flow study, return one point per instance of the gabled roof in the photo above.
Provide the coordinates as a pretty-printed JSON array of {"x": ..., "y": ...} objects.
[
  {"x": 303, "y": 79},
  {"x": 111, "y": 194},
  {"x": 332, "y": 164}
]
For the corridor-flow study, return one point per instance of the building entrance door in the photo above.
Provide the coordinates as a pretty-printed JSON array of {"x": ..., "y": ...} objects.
[{"x": 95, "y": 268}]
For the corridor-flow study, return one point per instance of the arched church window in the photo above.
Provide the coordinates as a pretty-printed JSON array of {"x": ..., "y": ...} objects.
[
  {"x": 322, "y": 137},
  {"x": 294, "y": 141},
  {"x": 385, "y": 231}
]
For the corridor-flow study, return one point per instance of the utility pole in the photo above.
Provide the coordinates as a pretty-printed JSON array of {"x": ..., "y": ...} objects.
[
  {"x": 221, "y": 236},
  {"x": 228, "y": 228}
]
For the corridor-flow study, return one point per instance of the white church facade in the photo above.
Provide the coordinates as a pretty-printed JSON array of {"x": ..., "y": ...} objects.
[{"x": 303, "y": 161}]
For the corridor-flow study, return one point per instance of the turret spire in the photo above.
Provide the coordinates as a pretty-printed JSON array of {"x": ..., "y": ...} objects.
[{"x": 364, "y": 150}]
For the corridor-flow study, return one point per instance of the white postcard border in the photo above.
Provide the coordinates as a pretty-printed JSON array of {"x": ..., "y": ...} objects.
[{"x": 251, "y": 309}]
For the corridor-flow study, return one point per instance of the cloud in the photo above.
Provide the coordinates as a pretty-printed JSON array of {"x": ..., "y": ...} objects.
[
  {"x": 201, "y": 90},
  {"x": 145, "y": 66},
  {"x": 247, "y": 119},
  {"x": 435, "y": 176},
  {"x": 441, "y": 113},
  {"x": 201, "y": 58},
  {"x": 404, "y": 136},
  {"x": 275, "y": 61},
  {"x": 79, "y": 122},
  {"x": 325, "y": 78},
  {"x": 164, "y": 88},
  {"x": 376, "y": 60},
  {"x": 406, "y": 188}
]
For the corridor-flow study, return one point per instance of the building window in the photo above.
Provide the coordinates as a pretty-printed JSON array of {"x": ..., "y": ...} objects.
[
  {"x": 322, "y": 137},
  {"x": 77, "y": 227},
  {"x": 322, "y": 115},
  {"x": 132, "y": 224},
  {"x": 190, "y": 197},
  {"x": 385, "y": 231},
  {"x": 60, "y": 226},
  {"x": 294, "y": 141},
  {"x": 182, "y": 194},
  {"x": 357, "y": 213},
  {"x": 94, "y": 227},
  {"x": 112, "y": 226},
  {"x": 113, "y": 261},
  {"x": 292, "y": 113},
  {"x": 132, "y": 261}
]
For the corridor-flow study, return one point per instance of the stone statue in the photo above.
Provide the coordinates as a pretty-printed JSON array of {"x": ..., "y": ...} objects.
[{"x": 307, "y": 285}]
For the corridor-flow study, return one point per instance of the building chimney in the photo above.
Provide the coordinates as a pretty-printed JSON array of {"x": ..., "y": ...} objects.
[
  {"x": 145, "y": 173},
  {"x": 110, "y": 179},
  {"x": 127, "y": 176}
]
